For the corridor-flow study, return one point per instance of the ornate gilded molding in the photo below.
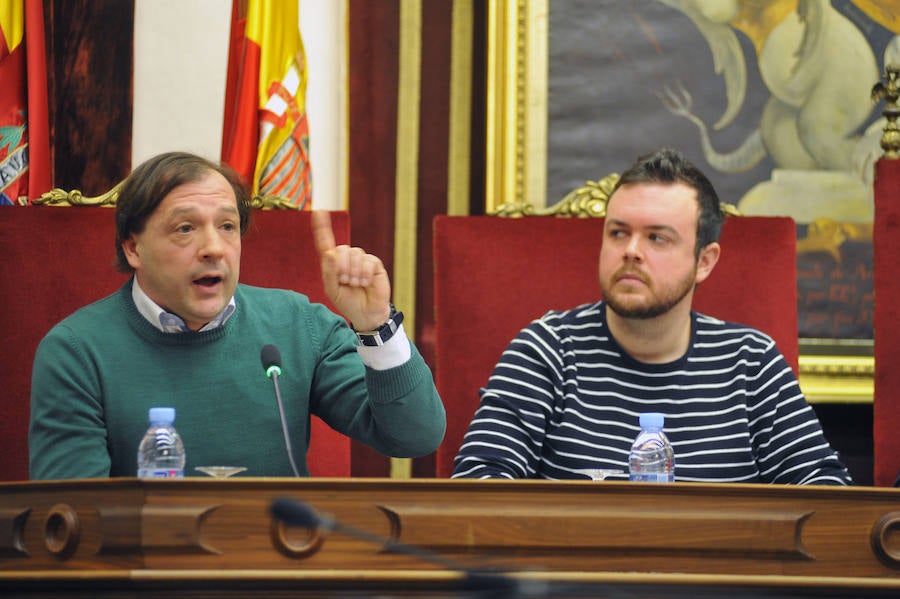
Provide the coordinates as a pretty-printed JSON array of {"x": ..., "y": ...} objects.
[
  {"x": 459, "y": 144},
  {"x": 516, "y": 110},
  {"x": 61, "y": 197},
  {"x": 837, "y": 370},
  {"x": 587, "y": 201},
  {"x": 730, "y": 209},
  {"x": 265, "y": 202},
  {"x": 848, "y": 384},
  {"x": 888, "y": 89}
]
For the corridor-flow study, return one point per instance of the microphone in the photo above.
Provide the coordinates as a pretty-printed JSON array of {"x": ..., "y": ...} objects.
[
  {"x": 477, "y": 583},
  {"x": 271, "y": 361}
]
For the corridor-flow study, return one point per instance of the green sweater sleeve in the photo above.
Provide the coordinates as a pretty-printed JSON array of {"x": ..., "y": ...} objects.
[
  {"x": 397, "y": 411},
  {"x": 67, "y": 436}
]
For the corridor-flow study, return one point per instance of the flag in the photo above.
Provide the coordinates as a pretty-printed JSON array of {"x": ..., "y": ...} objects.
[
  {"x": 266, "y": 134},
  {"x": 24, "y": 120}
]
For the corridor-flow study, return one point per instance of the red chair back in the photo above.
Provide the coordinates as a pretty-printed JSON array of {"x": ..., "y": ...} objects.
[
  {"x": 886, "y": 411},
  {"x": 494, "y": 275},
  {"x": 55, "y": 260}
]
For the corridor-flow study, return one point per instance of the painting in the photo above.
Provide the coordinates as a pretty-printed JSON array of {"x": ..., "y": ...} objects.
[{"x": 772, "y": 100}]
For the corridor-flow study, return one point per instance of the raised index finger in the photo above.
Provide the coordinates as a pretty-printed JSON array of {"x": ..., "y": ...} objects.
[{"x": 321, "y": 229}]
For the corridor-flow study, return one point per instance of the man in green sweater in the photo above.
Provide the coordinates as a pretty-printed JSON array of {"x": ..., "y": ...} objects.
[{"x": 183, "y": 332}]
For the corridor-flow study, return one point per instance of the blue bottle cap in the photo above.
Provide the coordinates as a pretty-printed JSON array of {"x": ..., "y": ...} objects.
[
  {"x": 652, "y": 420},
  {"x": 162, "y": 415}
]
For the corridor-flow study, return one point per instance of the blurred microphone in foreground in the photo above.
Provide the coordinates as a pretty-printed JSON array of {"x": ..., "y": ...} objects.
[{"x": 475, "y": 583}]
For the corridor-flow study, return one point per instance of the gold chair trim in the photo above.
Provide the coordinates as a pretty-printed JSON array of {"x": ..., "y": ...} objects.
[
  {"x": 61, "y": 197},
  {"x": 587, "y": 201}
]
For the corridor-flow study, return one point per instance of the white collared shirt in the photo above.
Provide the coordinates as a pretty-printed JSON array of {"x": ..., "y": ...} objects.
[{"x": 172, "y": 323}]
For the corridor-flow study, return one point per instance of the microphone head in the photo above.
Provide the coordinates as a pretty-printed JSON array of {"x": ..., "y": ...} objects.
[
  {"x": 295, "y": 513},
  {"x": 271, "y": 359}
]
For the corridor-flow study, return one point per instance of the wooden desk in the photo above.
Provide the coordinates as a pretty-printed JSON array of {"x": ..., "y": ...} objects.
[{"x": 207, "y": 537}]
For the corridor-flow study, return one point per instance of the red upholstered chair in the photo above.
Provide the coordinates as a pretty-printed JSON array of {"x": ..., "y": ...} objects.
[
  {"x": 886, "y": 421},
  {"x": 55, "y": 260},
  {"x": 494, "y": 275},
  {"x": 278, "y": 251}
]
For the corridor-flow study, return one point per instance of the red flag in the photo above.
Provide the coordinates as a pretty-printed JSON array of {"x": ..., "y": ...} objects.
[
  {"x": 24, "y": 120},
  {"x": 265, "y": 134}
]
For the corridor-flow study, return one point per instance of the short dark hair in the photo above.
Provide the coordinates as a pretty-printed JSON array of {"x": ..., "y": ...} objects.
[
  {"x": 668, "y": 165},
  {"x": 144, "y": 189}
]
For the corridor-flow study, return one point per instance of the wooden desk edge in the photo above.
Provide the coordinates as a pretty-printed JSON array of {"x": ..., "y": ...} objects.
[{"x": 638, "y": 578}]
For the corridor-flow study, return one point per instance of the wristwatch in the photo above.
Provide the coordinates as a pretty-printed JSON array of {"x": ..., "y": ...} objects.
[{"x": 380, "y": 335}]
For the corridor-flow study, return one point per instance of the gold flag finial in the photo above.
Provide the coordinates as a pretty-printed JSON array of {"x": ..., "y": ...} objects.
[{"x": 888, "y": 89}]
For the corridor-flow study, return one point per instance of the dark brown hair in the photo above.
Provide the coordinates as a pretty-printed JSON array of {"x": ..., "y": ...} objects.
[
  {"x": 147, "y": 186},
  {"x": 668, "y": 165}
]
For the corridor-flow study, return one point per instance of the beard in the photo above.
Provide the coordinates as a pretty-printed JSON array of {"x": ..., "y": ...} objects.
[{"x": 659, "y": 303}]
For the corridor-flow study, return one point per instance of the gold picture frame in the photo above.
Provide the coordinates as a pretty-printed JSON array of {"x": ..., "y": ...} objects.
[{"x": 831, "y": 370}]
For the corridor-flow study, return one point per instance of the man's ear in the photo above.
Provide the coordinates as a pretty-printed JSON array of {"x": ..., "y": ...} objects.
[
  {"x": 709, "y": 257},
  {"x": 130, "y": 249}
]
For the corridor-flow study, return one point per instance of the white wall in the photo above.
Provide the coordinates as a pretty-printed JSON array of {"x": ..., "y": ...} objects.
[
  {"x": 323, "y": 25},
  {"x": 180, "y": 60}
]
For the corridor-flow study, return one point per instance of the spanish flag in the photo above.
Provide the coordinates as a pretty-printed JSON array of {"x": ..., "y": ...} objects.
[
  {"x": 266, "y": 134},
  {"x": 24, "y": 120}
]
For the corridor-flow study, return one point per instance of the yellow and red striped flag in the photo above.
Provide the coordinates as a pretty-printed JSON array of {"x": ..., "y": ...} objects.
[
  {"x": 266, "y": 133},
  {"x": 24, "y": 120}
]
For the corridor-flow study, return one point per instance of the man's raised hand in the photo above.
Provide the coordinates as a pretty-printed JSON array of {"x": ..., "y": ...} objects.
[{"x": 355, "y": 282}]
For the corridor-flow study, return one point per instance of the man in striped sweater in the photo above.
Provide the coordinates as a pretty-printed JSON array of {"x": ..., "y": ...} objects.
[{"x": 568, "y": 390}]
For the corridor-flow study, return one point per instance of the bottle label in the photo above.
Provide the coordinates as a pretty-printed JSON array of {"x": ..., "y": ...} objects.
[
  {"x": 160, "y": 473},
  {"x": 653, "y": 477}
]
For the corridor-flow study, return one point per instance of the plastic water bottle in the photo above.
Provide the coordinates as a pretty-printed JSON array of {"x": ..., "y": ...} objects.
[
  {"x": 161, "y": 453},
  {"x": 652, "y": 459}
]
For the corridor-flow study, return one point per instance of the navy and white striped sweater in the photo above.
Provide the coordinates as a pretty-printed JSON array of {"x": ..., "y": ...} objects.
[{"x": 565, "y": 397}]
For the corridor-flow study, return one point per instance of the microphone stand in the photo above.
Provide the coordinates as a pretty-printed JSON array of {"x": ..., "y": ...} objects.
[{"x": 273, "y": 372}]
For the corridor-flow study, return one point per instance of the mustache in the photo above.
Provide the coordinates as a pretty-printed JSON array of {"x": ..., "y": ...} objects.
[{"x": 630, "y": 271}]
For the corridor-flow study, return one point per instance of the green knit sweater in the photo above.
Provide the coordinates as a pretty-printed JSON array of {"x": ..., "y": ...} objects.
[{"x": 97, "y": 373}]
